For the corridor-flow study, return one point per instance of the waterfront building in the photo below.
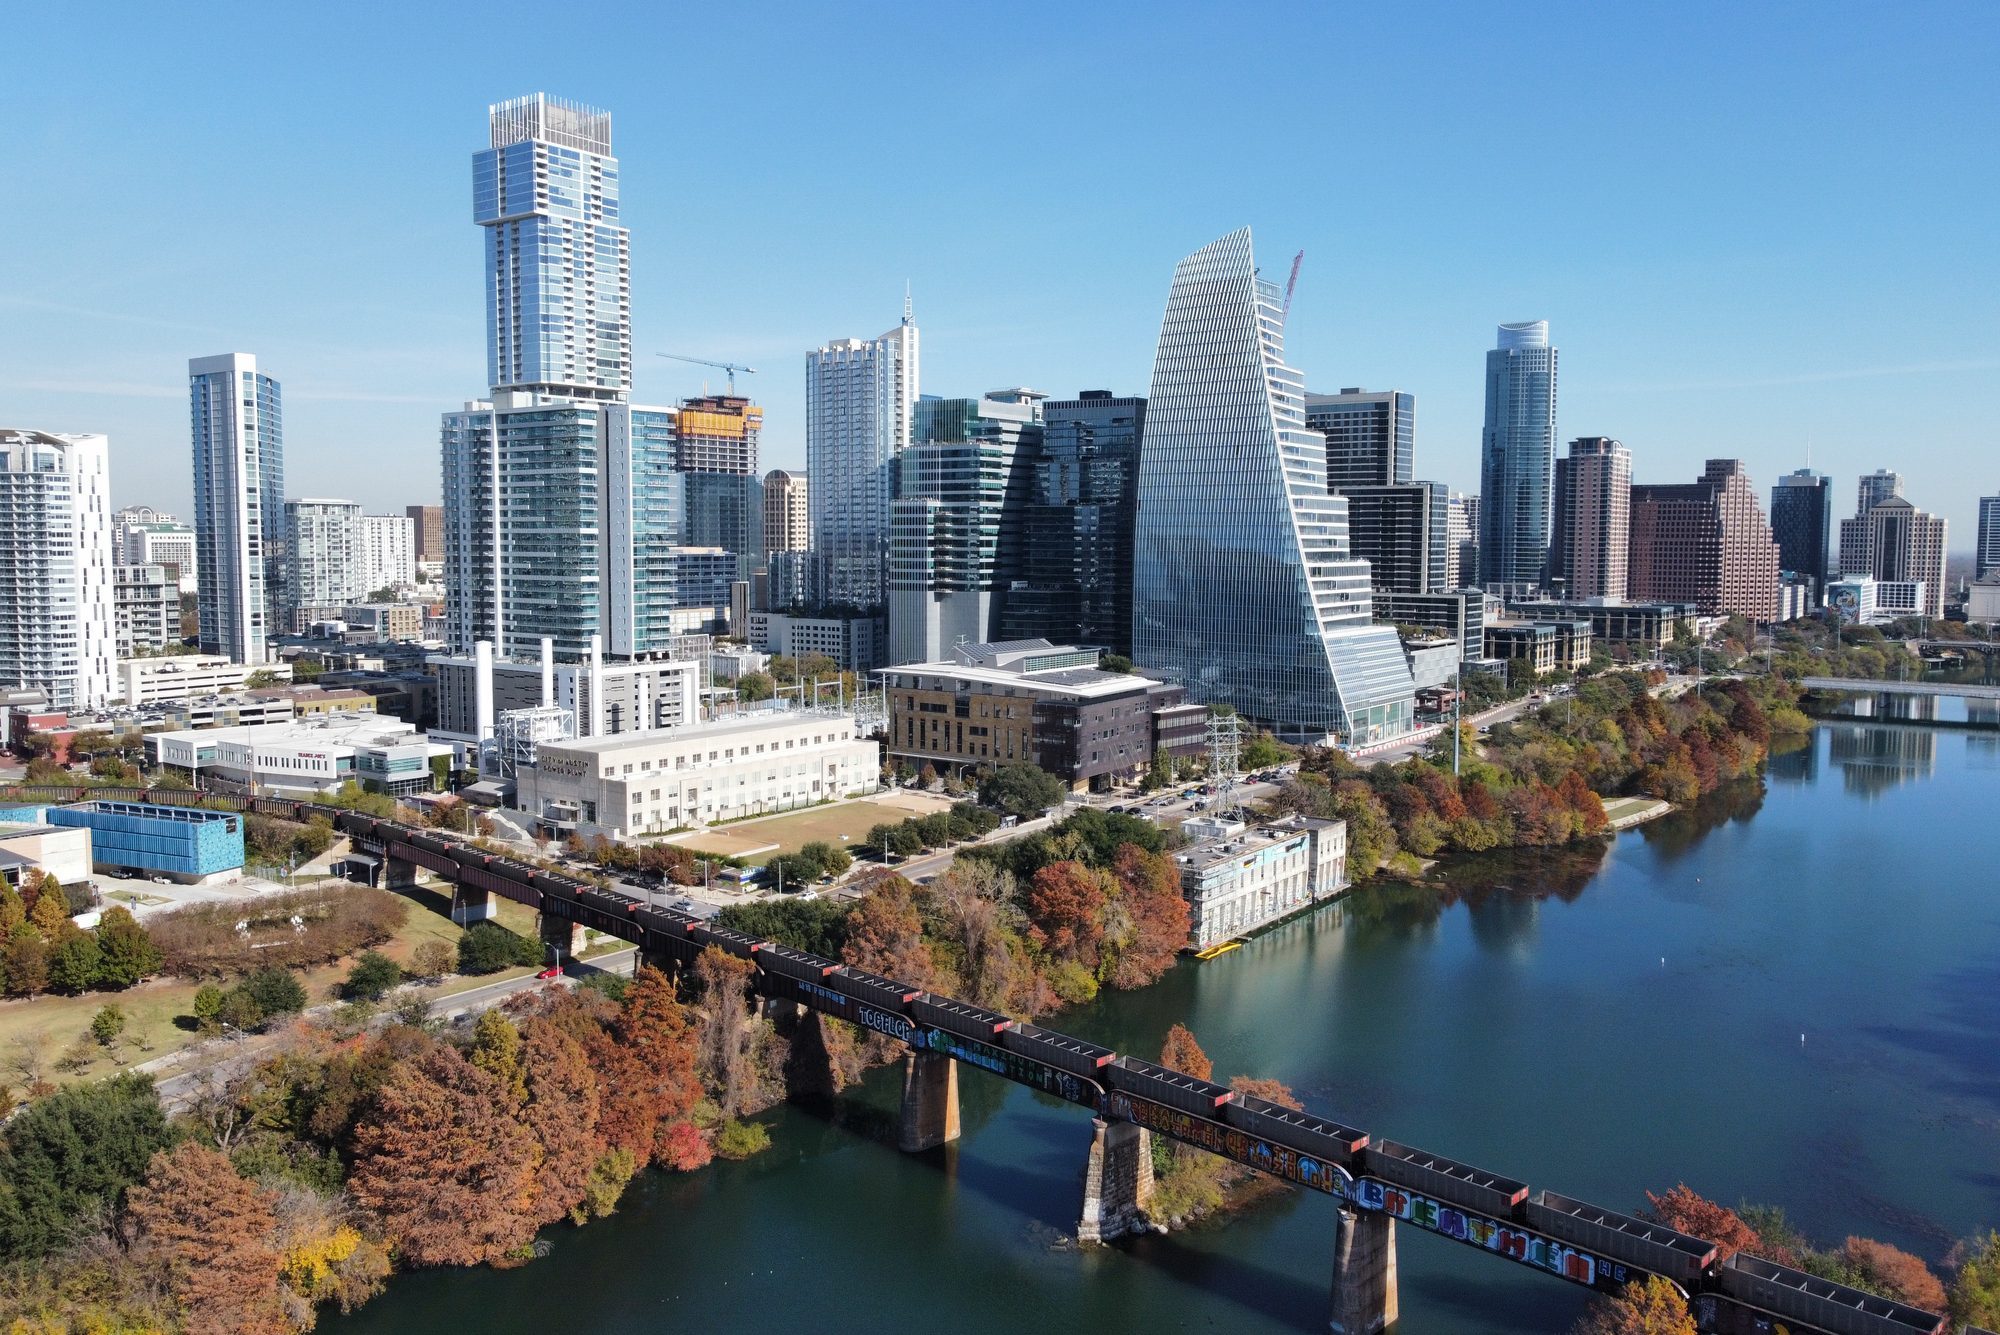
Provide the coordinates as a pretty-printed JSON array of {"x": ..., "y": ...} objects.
[
  {"x": 1370, "y": 438},
  {"x": 1544, "y": 645},
  {"x": 147, "y": 681},
  {"x": 749, "y": 764},
  {"x": 787, "y": 522},
  {"x": 1592, "y": 536},
  {"x": 1074, "y": 583},
  {"x": 1875, "y": 488},
  {"x": 1404, "y": 533},
  {"x": 1986, "y": 555},
  {"x": 1044, "y": 704},
  {"x": 308, "y": 755},
  {"x": 717, "y": 433},
  {"x": 322, "y": 557},
  {"x": 1897, "y": 543},
  {"x": 1244, "y": 589},
  {"x": 427, "y": 535},
  {"x": 1802, "y": 525},
  {"x": 1237, "y": 878},
  {"x": 237, "y": 422},
  {"x": 1798, "y": 595},
  {"x": 146, "y": 610},
  {"x": 955, "y": 523},
  {"x": 861, "y": 397},
  {"x": 1517, "y": 459},
  {"x": 387, "y": 547},
  {"x": 858, "y": 642},
  {"x": 58, "y": 620},
  {"x": 1852, "y": 600},
  {"x": 145, "y": 537},
  {"x": 1982, "y": 600},
  {"x": 1705, "y": 543}
]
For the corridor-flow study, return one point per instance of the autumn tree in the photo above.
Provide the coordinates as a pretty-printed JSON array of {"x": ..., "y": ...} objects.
[
  {"x": 13, "y": 912},
  {"x": 1975, "y": 1287},
  {"x": 561, "y": 1114},
  {"x": 1686, "y": 1212},
  {"x": 496, "y": 1050},
  {"x": 206, "y": 1234},
  {"x": 1181, "y": 1053},
  {"x": 726, "y": 1036},
  {"x": 445, "y": 1164},
  {"x": 971, "y": 901},
  {"x": 1066, "y": 903},
  {"x": 1894, "y": 1273},
  {"x": 1652, "y": 1306},
  {"x": 885, "y": 934},
  {"x": 50, "y": 913},
  {"x": 654, "y": 1027},
  {"x": 1271, "y": 1091},
  {"x": 1149, "y": 895}
]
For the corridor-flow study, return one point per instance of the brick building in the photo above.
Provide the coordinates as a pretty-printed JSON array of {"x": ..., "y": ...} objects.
[{"x": 1705, "y": 542}]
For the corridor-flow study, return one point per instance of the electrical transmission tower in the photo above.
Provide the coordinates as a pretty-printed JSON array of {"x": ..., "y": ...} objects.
[{"x": 1225, "y": 751}]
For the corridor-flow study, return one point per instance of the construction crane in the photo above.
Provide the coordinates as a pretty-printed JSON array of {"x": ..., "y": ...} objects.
[
  {"x": 731, "y": 367},
  {"x": 1291, "y": 285}
]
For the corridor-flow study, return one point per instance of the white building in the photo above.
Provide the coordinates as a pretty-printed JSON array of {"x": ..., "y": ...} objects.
[
  {"x": 146, "y": 609},
  {"x": 239, "y": 504},
  {"x": 857, "y": 643},
  {"x": 57, "y": 619},
  {"x": 606, "y": 697},
  {"x": 1237, "y": 879},
  {"x": 322, "y": 554},
  {"x": 145, "y": 681},
  {"x": 388, "y": 552},
  {"x": 748, "y": 765},
  {"x": 861, "y": 397},
  {"x": 146, "y": 537},
  {"x": 317, "y": 754}
]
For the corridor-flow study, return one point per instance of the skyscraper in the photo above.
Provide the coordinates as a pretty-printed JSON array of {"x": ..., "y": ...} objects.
[
  {"x": 1802, "y": 523},
  {"x": 429, "y": 532},
  {"x": 1243, "y": 586},
  {"x": 558, "y": 264},
  {"x": 717, "y": 434},
  {"x": 1986, "y": 557},
  {"x": 1075, "y": 581},
  {"x": 1404, "y": 533},
  {"x": 1517, "y": 458},
  {"x": 1462, "y": 552},
  {"x": 57, "y": 590},
  {"x": 143, "y": 536},
  {"x": 323, "y": 557},
  {"x": 786, "y": 522},
  {"x": 1592, "y": 535},
  {"x": 388, "y": 551},
  {"x": 239, "y": 504},
  {"x": 1370, "y": 438},
  {"x": 1895, "y": 541},
  {"x": 1875, "y": 488},
  {"x": 861, "y": 398},
  {"x": 1705, "y": 543}
]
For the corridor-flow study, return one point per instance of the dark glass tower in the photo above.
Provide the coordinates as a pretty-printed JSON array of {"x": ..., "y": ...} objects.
[
  {"x": 1802, "y": 523},
  {"x": 1370, "y": 438}
]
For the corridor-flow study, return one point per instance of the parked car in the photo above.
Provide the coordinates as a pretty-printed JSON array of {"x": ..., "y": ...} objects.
[{"x": 551, "y": 972}]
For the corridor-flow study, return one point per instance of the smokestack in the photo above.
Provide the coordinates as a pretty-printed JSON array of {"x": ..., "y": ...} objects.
[
  {"x": 597, "y": 686},
  {"x": 482, "y": 689},
  {"x": 548, "y": 671}
]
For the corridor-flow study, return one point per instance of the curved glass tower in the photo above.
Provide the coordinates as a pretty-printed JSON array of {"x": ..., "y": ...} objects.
[
  {"x": 1243, "y": 585},
  {"x": 1517, "y": 459}
]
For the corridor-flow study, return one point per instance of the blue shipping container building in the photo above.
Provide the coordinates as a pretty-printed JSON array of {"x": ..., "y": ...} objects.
[{"x": 172, "y": 841}]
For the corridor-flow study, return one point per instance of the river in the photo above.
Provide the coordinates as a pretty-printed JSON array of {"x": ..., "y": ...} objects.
[{"x": 1789, "y": 995}]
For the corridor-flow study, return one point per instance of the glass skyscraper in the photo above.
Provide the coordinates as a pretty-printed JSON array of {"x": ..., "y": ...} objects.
[
  {"x": 861, "y": 397},
  {"x": 1370, "y": 438},
  {"x": 239, "y": 504},
  {"x": 1802, "y": 523},
  {"x": 1518, "y": 458},
  {"x": 1243, "y": 585},
  {"x": 1986, "y": 556}
]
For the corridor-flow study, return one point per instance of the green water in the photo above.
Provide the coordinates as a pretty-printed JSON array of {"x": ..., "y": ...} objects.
[{"x": 1599, "y": 1023}]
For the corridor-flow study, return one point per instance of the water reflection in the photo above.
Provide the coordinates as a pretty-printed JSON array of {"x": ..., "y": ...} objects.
[
  {"x": 1672, "y": 838},
  {"x": 1873, "y": 760},
  {"x": 1793, "y": 760}
]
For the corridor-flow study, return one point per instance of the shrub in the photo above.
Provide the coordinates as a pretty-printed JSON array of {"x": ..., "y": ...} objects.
[
  {"x": 372, "y": 976},
  {"x": 433, "y": 959},
  {"x": 334, "y": 921},
  {"x": 276, "y": 991},
  {"x": 740, "y": 1140},
  {"x": 487, "y": 947},
  {"x": 107, "y": 1025}
]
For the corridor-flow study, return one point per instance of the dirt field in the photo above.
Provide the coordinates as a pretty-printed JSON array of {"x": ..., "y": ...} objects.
[{"x": 757, "y": 840}]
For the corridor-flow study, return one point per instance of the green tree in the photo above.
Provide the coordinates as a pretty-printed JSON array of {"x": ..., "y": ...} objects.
[
  {"x": 74, "y": 960},
  {"x": 1262, "y": 751},
  {"x": 831, "y": 859},
  {"x": 276, "y": 992},
  {"x": 487, "y": 947},
  {"x": 1022, "y": 790},
  {"x": 69, "y": 1158},
  {"x": 126, "y": 952},
  {"x": 372, "y": 976},
  {"x": 107, "y": 1025},
  {"x": 1115, "y": 663},
  {"x": 754, "y": 686},
  {"x": 239, "y": 1012},
  {"x": 207, "y": 1005},
  {"x": 1975, "y": 1289}
]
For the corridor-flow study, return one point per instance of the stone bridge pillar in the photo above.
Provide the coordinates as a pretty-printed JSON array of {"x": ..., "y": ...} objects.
[
  {"x": 930, "y": 1102},
  {"x": 562, "y": 934},
  {"x": 1118, "y": 1185},
  {"x": 1364, "y": 1273},
  {"x": 398, "y": 874},
  {"x": 469, "y": 906}
]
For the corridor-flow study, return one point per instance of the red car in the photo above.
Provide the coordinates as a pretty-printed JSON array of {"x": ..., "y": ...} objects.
[{"x": 553, "y": 971}]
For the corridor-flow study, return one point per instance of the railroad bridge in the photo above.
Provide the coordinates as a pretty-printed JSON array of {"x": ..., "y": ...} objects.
[{"x": 1375, "y": 1183}]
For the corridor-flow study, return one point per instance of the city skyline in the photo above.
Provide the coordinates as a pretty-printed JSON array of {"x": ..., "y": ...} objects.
[{"x": 1726, "y": 337}]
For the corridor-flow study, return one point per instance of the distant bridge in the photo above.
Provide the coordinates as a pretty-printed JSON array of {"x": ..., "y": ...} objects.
[
  {"x": 1863, "y": 686},
  {"x": 1376, "y": 1182}
]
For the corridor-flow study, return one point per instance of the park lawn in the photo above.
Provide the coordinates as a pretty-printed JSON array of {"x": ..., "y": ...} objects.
[
  {"x": 794, "y": 830},
  {"x": 1618, "y": 808}
]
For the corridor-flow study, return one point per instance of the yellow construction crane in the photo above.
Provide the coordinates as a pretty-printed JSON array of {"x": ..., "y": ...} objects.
[{"x": 731, "y": 367}]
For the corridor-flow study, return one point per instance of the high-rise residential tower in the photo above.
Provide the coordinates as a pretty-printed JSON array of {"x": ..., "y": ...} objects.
[
  {"x": 1517, "y": 458},
  {"x": 57, "y": 589},
  {"x": 717, "y": 434},
  {"x": 1462, "y": 551},
  {"x": 388, "y": 552},
  {"x": 323, "y": 557},
  {"x": 861, "y": 398},
  {"x": 1075, "y": 582},
  {"x": 1243, "y": 585},
  {"x": 1592, "y": 535},
  {"x": 1986, "y": 556},
  {"x": 239, "y": 504},
  {"x": 143, "y": 536},
  {"x": 1802, "y": 523},
  {"x": 1370, "y": 438},
  {"x": 1404, "y": 533},
  {"x": 786, "y": 521},
  {"x": 1705, "y": 543},
  {"x": 558, "y": 263},
  {"x": 1895, "y": 541}
]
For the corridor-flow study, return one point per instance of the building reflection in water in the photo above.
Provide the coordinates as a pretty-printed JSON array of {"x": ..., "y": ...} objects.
[{"x": 1873, "y": 760}]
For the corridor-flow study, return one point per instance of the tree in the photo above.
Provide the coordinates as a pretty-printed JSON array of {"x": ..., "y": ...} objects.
[
  {"x": 654, "y": 1027},
  {"x": 1262, "y": 751},
  {"x": 25, "y": 962},
  {"x": 372, "y": 976},
  {"x": 496, "y": 1050},
  {"x": 1894, "y": 1273},
  {"x": 1065, "y": 905},
  {"x": 276, "y": 992},
  {"x": 1161, "y": 772},
  {"x": 1181, "y": 1053},
  {"x": 445, "y": 1164},
  {"x": 726, "y": 1035},
  {"x": 74, "y": 960},
  {"x": 1021, "y": 790},
  {"x": 885, "y": 933},
  {"x": 68, "y": 1159},
  {"x": 1149, "y": 892},
  {"x": 1652, "y": 1306},
  {"x": 818, "y": 926},
  {"x": 125, "y": 951},
  {"x": 107, "y": 1025},
  {"x": 1686, "y": 1212},
  {"x": 1975, "y": 1289},
  {"x": 754, "y": 686},
  {"x": 206, "y": 1233},
  {"x": 561, "y": 1114},
  {"x": 1115, "y": 663},
  {"x": 432, "y": 960},
  {"x": 487, "y": 947},
  {"x": 1271, "y": 1091},
  {"x": 831, "y": 860},
  {"x": 13, "y": 912},
  {"x": 50, "y": 913}
]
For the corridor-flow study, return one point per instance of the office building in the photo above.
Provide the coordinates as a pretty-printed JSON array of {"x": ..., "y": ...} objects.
[
  {"x": 1030, "y": 701},
  {"x": 1591, "y": 539},
  {"x": 1986, "y": 555},
  {"x": 239, "y": 504},
  {"x": 145, "y": 537},
  {"x": 58, "y": 619},
  {"x": 725, "y": 510},
  {"x": 28, "y": 843},
  {"x": 1517, "y": 459},
  {"x": 787, "y": 522},
  {"x": 1543, "y": 646},
  {"x": 1237, "y": 878},
  {"x": 1802, "y": 524},
  {"x": 861, "y": 398},
  {"x": 1244, "y": 589},
  {"x": 1875, "y": 488},
  {"x": 1462, "y": 542},
  {"x": 312, "y": 755},
  {"x": 1404, "y": 533},
  {"x": 1459, "y": 614},
  {"x": 717, "y": 434},
  {"x": 1074, "y": 583},
  {"x": 747, "y": 765},
  {"x": 1370, "y": 438},
  {"x": 1648, "y": 627},
  {"x": 1894, "y": 542},
  {"x": 1706, "y": 543},
  {"x": 322, "y": 557},
  {"x": 427, "y": 532},
  {"x": 558, "y": 264},
  {"x": 388, "y": 551},
  {"x": 146, "y": 610},
  {"x": 383, "y": 621},
  {"x": 858, "y": 643},
  {"x": 955, "y": 523}
]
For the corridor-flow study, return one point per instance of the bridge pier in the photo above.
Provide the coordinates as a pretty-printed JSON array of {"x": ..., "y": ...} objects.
[
  {"x": 562, "y": 934},
  {"x": 471, "y": 906},
  {"x": 1364, "y": 1273},
  {"x": 1118, "y": 1185},
  {"x": 398, "y": 874},
  {"x": 930, "y": 1102}
]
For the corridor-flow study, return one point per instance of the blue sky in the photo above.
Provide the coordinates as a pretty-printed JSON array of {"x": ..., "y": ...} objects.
[{"x": 1754, "y": 229}]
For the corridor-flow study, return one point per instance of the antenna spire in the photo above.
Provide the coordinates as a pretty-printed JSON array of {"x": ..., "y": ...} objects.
[{"x": 908, "y": 313}]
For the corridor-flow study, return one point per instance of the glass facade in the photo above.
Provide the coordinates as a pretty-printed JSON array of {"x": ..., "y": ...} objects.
[
  {"x": 1802, "y": 522},
  {"x": 860, "y": 399},
  {"x": 1518, "y": 459},
  {"x": 1243, "y": 585},
  {"x": 1404, "y": 533},
  {"x": 726, "y": 510},
  {"x": 1370, "y": 438},
  {"x": 239, "y": 504}
]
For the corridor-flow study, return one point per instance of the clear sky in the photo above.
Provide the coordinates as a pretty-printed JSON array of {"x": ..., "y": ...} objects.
[{"x": 1754, "y": 229}]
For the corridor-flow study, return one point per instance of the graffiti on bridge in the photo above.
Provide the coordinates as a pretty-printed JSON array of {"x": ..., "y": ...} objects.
[
  {"x": 1230, "y": 1143},
  {"x": 1505, "y": 1239}
]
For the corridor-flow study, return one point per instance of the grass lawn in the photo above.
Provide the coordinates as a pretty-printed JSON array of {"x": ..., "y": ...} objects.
[
  {"x": 1620, "y": 807},
  {"x": 796, "y": 829}
]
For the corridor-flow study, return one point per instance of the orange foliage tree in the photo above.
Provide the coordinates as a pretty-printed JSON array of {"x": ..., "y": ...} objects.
[
  {"x": 1894, "y": 1273},
  {"x": 885, "y": 934},
  {"x": 561, "y": 1113},
  {"x": 1271, "y": 1091},
  {"x": 1181, "y": 1053},
  {"x": 1066, "y": 903},
  {"x": 1149, "y": 891},
  {"x": 654, "y": 1027},
  {"x": 1687, "y": 1212},
  {"x": 207, "y": 1234},
  {"x": 1652, "y": 1306}
]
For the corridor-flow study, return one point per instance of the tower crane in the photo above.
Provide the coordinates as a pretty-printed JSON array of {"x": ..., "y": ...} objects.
[{"x": 730, "y": 367}]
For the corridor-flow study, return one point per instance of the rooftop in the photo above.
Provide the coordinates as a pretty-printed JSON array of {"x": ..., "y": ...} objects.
[
  {"x": 738, "y": 725},
  {"x": 1213, "y": 852}
]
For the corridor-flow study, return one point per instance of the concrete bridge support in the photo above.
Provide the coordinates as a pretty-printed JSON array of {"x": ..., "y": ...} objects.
[
  {"x": 471, "y": 906},
  {"x": 930, "y": 1102},
  {"x": 398, "y": 874},
  {"x": 561, "y": 934},
  {"x": 1364, "y": 1273},
  {"x": 1118, "y": 1185}
]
